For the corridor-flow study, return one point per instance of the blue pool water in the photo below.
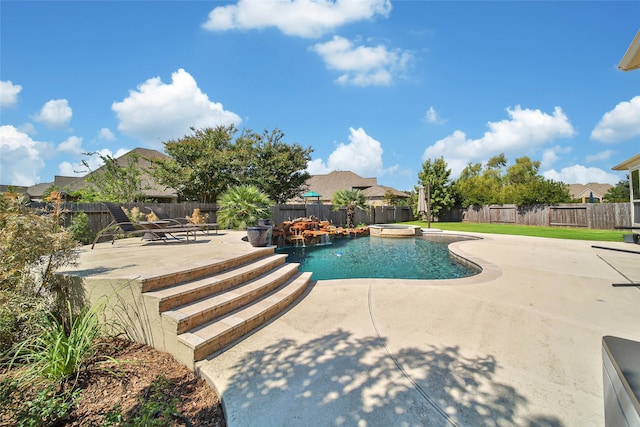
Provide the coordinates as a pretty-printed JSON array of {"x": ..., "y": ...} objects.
[{"x": 375, "y": 257}]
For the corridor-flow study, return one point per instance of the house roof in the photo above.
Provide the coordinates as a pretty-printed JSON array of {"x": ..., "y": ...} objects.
[
  {"x": 326, "y": 185},
  {"x": 338, "y": 180},
  {"x": 73, "y": 183},
  {"x": 380, "y": 191},
  {"x": 578, "y": 191}
]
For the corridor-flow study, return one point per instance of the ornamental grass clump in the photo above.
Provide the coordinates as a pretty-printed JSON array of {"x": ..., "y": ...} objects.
[
  {"x": 42, "y": 382},
  {"x": 63, "y": 348},
  {"x": 197, "y": 217}
]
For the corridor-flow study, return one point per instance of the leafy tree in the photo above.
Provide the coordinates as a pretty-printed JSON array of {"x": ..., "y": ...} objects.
[
  {"x": 619, "y": 193},
  {"x": 390, "y": 198},
  {"x": 520, "y": 184},
  {"x": 480, "y": 186},
  {"x": 436, "y": 175},
  {"x": 203, "y": 165},
  {"x": 242, "y": 206},
  {"x": 279, "y": 168},
  {"x": 351, "y": 199},
  {"x": 541, "y": 191},
  {"x": 115, "y": 183},
  {"x": 200, "y": 166}
]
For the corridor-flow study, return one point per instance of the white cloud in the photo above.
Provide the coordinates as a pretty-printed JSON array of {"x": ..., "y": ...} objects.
[
  {"x": 106, "y": 134},
  {"x": 523, "y": 131},
  {"x": 28, "y": 128},
  {"x": 362, "y": 155},
  {"x": 20, "y": 157},
  {"x": 620, "y": 124},
  {"x": 362, "y": 65},
  {"x": 579, "y": 174},
  {"x": 157, "y": 112},
  {"x": 72, "y": 145},
  {"x": 302, "y": 18},
  {"x": 601, "y": 156},
  {"x": 55, "y": 113},
  {"x": 432, "y": 116},
  {"x": 550, "y": 155},
  {"x": 8, "y": 93}
]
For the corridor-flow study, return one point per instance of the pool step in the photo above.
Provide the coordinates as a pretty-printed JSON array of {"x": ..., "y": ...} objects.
[
  {"x": 214, "y": 335},
  {"x": 202, "y": 310}
]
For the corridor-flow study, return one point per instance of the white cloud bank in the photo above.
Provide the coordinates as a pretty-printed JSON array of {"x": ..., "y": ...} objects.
[
  {"x": 20, "y": 157},
  {"x": 579, "y": 174},
  {"x": 362, "y": 155},
  {"x": 362, "y": 65},
  {"x": 72, "y": 145},
  {"x": 55, "y": 114},
  {"x": 301, "y": 18},
  {"x": 9, "y": 93},
  {"x": 157, "y": 112},
  {"x": 620, "y": 124},
  {"x": 524, "y": 130}
]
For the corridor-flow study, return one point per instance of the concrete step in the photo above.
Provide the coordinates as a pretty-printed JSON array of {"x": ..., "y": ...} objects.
[
  {"x": 181, "y": 294},
  {"x": 210, "y": 337},
  {"x": 185, "y": 317},
  {"x": 191, "y": 273}
]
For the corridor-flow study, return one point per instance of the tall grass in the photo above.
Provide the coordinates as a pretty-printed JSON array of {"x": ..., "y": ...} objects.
[{"x": 61, "y": 349}]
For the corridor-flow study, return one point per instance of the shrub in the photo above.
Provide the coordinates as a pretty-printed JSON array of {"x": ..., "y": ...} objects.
[
  {"x": 242, "y": 206},
  {"x": 79, "y": 228},
  {"x": 33, "y": 246}
]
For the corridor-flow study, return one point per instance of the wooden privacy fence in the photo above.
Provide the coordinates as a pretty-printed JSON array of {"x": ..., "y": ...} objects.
[
  {"x": 371, "y": 215},
  {"x": 603, "y": 216},
  {"x": 99, "y": 217}
]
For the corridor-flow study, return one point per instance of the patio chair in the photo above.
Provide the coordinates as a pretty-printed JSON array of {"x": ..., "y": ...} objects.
[
  {"x": 121, "y": 225},
  {"x": 162, "y": 215}
]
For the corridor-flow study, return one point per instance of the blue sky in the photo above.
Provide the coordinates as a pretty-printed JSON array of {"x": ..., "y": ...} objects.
[{"x": 373, "y": 86}]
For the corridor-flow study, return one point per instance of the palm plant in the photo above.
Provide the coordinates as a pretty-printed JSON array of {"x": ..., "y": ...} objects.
[
  {"x": 350, "y": 199},
  {"x": 242, "y": 206}
]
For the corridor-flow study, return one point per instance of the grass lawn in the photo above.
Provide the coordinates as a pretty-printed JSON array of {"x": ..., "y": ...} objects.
[{"x": 529, "y": 230}]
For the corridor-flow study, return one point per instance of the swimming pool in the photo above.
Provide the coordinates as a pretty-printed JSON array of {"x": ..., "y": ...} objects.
[{"x": 372, "y": 257}]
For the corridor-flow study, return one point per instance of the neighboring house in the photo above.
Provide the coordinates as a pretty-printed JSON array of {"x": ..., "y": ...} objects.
[
  {"x": 633, "y": 166},
  {"x": 70, "y": 184},
  {"x": 326, "y": 185},
  {"x": 589, "y": 193}
]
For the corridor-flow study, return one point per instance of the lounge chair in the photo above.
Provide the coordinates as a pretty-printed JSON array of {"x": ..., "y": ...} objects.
[
  {"x": 121, "y": 225},
  {"x": 162, "y": 215}
]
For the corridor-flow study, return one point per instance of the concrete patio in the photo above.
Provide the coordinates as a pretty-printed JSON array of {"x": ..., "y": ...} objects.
[{"x": 518, "y": 344}]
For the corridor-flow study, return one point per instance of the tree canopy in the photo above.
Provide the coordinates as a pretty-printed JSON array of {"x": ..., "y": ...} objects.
[
  {"x": 435, "y": 174},
  {"x": 619, "y": 193},
  {"x": 519, "y": 183},
  {"x": 204, "y": 164},
  {"x": 113, "y": 182}
]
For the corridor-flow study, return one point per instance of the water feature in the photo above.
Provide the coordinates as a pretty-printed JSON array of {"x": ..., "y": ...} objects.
[{"x": 367, "y": 257}]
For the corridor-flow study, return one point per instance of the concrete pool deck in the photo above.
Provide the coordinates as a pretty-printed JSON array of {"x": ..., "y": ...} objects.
[{"x": 518, "y": 344}]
